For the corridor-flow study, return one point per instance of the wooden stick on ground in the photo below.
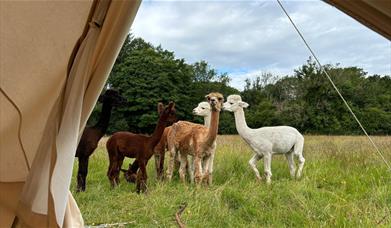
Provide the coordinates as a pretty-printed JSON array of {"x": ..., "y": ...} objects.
[{"x": 178, "y": 215}]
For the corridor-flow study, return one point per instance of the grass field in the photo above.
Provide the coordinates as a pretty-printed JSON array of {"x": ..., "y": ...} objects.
[{"x": 345, "y": 184}]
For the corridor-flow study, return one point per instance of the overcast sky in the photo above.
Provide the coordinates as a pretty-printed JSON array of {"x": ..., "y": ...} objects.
[{"x": 246, "y": 38}]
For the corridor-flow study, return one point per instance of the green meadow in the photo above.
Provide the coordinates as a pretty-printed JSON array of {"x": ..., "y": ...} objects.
[{"x": 344, "y": 184}]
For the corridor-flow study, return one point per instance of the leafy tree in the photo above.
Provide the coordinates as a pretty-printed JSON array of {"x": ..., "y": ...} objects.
[
  {"x": 308, "y": 102},
  {"x": 147, "y": 74}
]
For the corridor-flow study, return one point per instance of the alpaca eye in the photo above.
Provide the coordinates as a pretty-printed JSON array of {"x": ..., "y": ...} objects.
[
  {"x": 202, "y": 108},
  {"x": 231, "y": 103},
  {"x": 220, "y": 98}
]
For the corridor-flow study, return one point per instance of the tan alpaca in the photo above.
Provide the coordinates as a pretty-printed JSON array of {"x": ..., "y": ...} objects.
[
  {"x": 202, "y": 109},
  {"x": 196, "y": 140}
]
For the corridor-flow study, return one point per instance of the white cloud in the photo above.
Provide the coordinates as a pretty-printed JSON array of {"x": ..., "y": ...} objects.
[{"x": 246, "y": 37}]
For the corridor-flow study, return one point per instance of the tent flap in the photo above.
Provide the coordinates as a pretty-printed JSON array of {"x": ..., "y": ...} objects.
[{"x": 53, "y": 79}]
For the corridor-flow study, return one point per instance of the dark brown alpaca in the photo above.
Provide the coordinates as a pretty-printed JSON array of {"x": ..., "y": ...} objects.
[
  {"x": 91, "y": 135},
  {"x": 141, "y": 147}
]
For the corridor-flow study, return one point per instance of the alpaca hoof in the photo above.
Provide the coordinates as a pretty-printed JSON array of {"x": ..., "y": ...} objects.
[
  {"x": 141, "y": 189},
  {"x": 160, "y": 177},
  {"x": 114, "y": 184},
  {"x": 80, "y": 187},
  {"x": 205, "y": 178}
]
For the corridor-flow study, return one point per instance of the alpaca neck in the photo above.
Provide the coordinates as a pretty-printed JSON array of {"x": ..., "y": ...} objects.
[
  {"x": 213, "y": 128},
  {"x": 240, "y": 122},
  {"x": 207, "y": 121},
  {"x": 156, "y": 135},
  {"x": 103, "y": 122}
]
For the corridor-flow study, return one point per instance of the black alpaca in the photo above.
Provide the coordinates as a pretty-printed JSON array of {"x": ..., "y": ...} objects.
[{"x": 91, "y": 135}]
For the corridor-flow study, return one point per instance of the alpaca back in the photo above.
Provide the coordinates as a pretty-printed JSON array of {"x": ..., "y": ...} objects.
[
  {"x": 184, "y": 135},
  {"x": 282, "y": 138},
  {"x": 126, "y": 144}
]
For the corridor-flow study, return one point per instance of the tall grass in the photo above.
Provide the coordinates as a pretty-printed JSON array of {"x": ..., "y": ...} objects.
[{"x": 344, "y": 184}]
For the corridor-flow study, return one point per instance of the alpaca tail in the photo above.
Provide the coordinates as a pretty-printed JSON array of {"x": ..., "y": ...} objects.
[
  {"x": 298, "y": 147},
  {"x": 298, "y": 151}
]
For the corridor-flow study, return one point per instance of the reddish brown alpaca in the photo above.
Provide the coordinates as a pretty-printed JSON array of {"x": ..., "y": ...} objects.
[
  {"x": 160, "y": 151},
  {"x": 91, "y": 135},
  {"x": 126, "y": 144}
]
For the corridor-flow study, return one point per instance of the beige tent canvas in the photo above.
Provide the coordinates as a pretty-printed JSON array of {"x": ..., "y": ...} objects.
[{"x": 55, "y": 57}]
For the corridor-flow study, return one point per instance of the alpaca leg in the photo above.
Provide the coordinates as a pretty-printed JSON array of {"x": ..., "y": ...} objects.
[
  {"x": 111, "y": 172},
  {"x": 161, "y": 165},
  {"x": 182, "y": 168},
  {"x": 82, "y": 173},
  {"x": 197, "y": 170},
  {"x": 301, "y": 165},
  {"x": 210, "y": 179},
  {"x": 114, "y": 169},
  {"x": 253, "y": 164},
  {"x": 171, "y": 162},
  {"x": 119, "y": 164},
  {"x": 267, "y": 160},
  {"x": 212, "y": 158},
  {"x": 190, "y": 168},
  {"x": 291, "y": 164},
  {"x": 142, "y": 178},
  {"x": 157, "y": 164},
  {"x": 205, "y": 169}
]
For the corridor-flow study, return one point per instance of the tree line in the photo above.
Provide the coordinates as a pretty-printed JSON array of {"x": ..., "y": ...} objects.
[{"x": 146, "y": 74}]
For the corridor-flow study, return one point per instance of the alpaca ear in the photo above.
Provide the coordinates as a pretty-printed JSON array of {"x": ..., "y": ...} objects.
[
  {"x": 243, "y": 104},
  {"x": 171, "y": 105},
  {"x": 160, "y": 107}
]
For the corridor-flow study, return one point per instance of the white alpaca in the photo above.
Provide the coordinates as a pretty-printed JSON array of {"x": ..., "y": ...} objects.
[
  {"x": 267, "y": 141},
  {"x": 203, "y": 109}
]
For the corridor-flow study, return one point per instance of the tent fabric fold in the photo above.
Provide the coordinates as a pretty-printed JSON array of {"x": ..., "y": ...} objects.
[{"x": 38, "y": 42}]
